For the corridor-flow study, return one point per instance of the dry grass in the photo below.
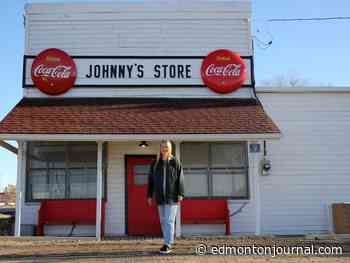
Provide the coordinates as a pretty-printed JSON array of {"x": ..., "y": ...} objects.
[{"x": 146, "y": 250}]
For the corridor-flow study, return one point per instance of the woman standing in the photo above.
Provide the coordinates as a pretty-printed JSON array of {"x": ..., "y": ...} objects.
[{"x": 166, "y": 181}]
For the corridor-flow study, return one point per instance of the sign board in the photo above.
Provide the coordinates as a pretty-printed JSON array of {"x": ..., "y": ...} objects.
[
  {"x": 120, "y": 71},
  {"x": 53, "y": 71},
  {"x": 223, "y": 71}
]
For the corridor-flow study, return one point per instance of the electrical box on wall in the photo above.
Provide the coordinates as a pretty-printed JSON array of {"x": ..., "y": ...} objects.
[{"x": 265, "y": 167}]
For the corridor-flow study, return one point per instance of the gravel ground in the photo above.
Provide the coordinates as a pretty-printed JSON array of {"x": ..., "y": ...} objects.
[{"x": 128, "y": 249}]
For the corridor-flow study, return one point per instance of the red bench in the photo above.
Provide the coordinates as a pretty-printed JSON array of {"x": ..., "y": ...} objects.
[
  {"x": 205, "y": 211},
  {"x": 69, "y": 212}
]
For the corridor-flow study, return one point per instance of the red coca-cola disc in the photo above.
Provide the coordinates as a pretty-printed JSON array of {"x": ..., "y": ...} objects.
[
  {"x": 53, "y": 71},
  {"x": 223, "y": 71}
]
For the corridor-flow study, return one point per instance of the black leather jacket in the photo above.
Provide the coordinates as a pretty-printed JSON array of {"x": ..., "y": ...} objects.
[{"x": 174, "y": 181}]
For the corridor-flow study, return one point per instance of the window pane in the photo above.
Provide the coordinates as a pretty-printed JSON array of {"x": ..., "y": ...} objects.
[
  {"x": 37, "y": 158},
  {"x": 47, "y": 184},
  {"x": 228, "y": 155},
  {"x": 43, "y": 155},
  {"x": 46, "y": 181},
  {"x": 141, "y": 168},
  {"x": 38, "y": 184},
  {"x": 83, "y": 155},
  {"x": 228, "y": 182},
  {"x": 196, "y": 182},
  {"x": 195, "y": 155},
  {"x": 57, "y": 184},
  {"x": 140, "y": 173},
  {"x": 83, "y": 183}
]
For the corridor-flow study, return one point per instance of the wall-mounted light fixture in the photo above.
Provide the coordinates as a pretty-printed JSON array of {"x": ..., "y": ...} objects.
[{"x": 143, "y": 144}]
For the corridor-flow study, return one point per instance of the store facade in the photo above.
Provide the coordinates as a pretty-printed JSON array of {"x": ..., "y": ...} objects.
[{"x": 103, "y": 84}]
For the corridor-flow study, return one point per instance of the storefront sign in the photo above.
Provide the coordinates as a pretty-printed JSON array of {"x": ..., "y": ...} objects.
[
  {"x": 223, "y": 71},
  {"x": 129, "y": 71},
  {"x": 53, "y": 71}
]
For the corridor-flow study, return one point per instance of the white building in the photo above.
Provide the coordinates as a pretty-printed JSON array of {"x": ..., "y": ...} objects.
[{"x": 86, "y": 141}]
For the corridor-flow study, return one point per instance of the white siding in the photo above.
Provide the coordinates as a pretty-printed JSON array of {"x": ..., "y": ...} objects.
[
  {"x": 244, "y": 222},
  {"x": 30, "y": 213},
  {"x": 188, "y": 28},
  {"x": 310, "y": 163},
  {"x": 29, "y": 210},
  {"x": 117, "y": 37}
]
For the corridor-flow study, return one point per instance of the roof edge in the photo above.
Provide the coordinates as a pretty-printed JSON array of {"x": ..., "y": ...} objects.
[
  {"x": 138, "y": 137},
  {"x": 303, "y": 89}
]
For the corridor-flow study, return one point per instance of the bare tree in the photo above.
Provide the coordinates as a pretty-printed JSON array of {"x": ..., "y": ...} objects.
[
  {"x": 10, "y": 188},
  {"x": 285, "y": 81}
]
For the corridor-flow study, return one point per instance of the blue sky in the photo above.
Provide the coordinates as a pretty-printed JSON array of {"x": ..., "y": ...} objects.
[{"x": 314, "y": 51}]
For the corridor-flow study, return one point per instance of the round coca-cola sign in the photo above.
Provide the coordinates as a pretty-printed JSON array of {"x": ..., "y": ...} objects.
[
  {"x": 53, "y": 71},
  {"x": 223, "y": 71}
]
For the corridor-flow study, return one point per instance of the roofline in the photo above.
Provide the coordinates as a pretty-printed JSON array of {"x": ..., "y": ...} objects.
[
  {"x": 138, "y": 137},
  {"x": 154, "y": 6},
  {"x": 304, "y": 89}
]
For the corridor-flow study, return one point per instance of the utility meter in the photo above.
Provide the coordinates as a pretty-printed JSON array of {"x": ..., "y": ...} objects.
[{"x": 265, "y": 167}]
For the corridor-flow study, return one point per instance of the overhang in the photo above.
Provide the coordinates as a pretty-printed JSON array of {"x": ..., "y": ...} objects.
[{"x": 137, "y": 118}]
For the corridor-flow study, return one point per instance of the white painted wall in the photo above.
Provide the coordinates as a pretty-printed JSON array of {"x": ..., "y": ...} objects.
[
  {"x": 29, "y": 211},
  {"x": 310, "y": 164},
  {"x": 244, "y": 221},
  {"x": 186, "y": 28},
  {"x": 165, "y": 28}
]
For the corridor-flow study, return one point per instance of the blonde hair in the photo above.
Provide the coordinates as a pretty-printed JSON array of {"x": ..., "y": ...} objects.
[{"x": 170, "y": 146}]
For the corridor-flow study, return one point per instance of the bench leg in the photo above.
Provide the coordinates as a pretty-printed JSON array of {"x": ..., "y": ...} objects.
[
  {"x": 228, "y": 230},
  {"x": 102, "y": 230},
  {"x": 103, "y": 224},
  {"x": 40, "y": 229}
]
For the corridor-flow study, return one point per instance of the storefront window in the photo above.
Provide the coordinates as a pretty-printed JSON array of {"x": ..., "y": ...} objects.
[
  {"x": 215, "y": 169},
  {"x": 62, "y": 170}
]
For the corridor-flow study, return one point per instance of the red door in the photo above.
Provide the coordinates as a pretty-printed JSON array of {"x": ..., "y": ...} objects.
[{"x": 142, "y": 219}]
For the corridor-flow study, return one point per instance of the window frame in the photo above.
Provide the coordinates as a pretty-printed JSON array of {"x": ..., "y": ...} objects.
[
  {"x": 209, "y": 174},
  {"x": 28, "y": 192}
]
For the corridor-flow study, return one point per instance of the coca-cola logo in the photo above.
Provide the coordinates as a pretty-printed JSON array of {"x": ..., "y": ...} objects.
[
  {"x": 53, "y": 71},
  {"x": 228, "y": 70},
  {"x": 223, "y": 71}
]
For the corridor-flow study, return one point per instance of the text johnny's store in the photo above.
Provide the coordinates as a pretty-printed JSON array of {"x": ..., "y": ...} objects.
[{"x": 102, "y": 89}]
